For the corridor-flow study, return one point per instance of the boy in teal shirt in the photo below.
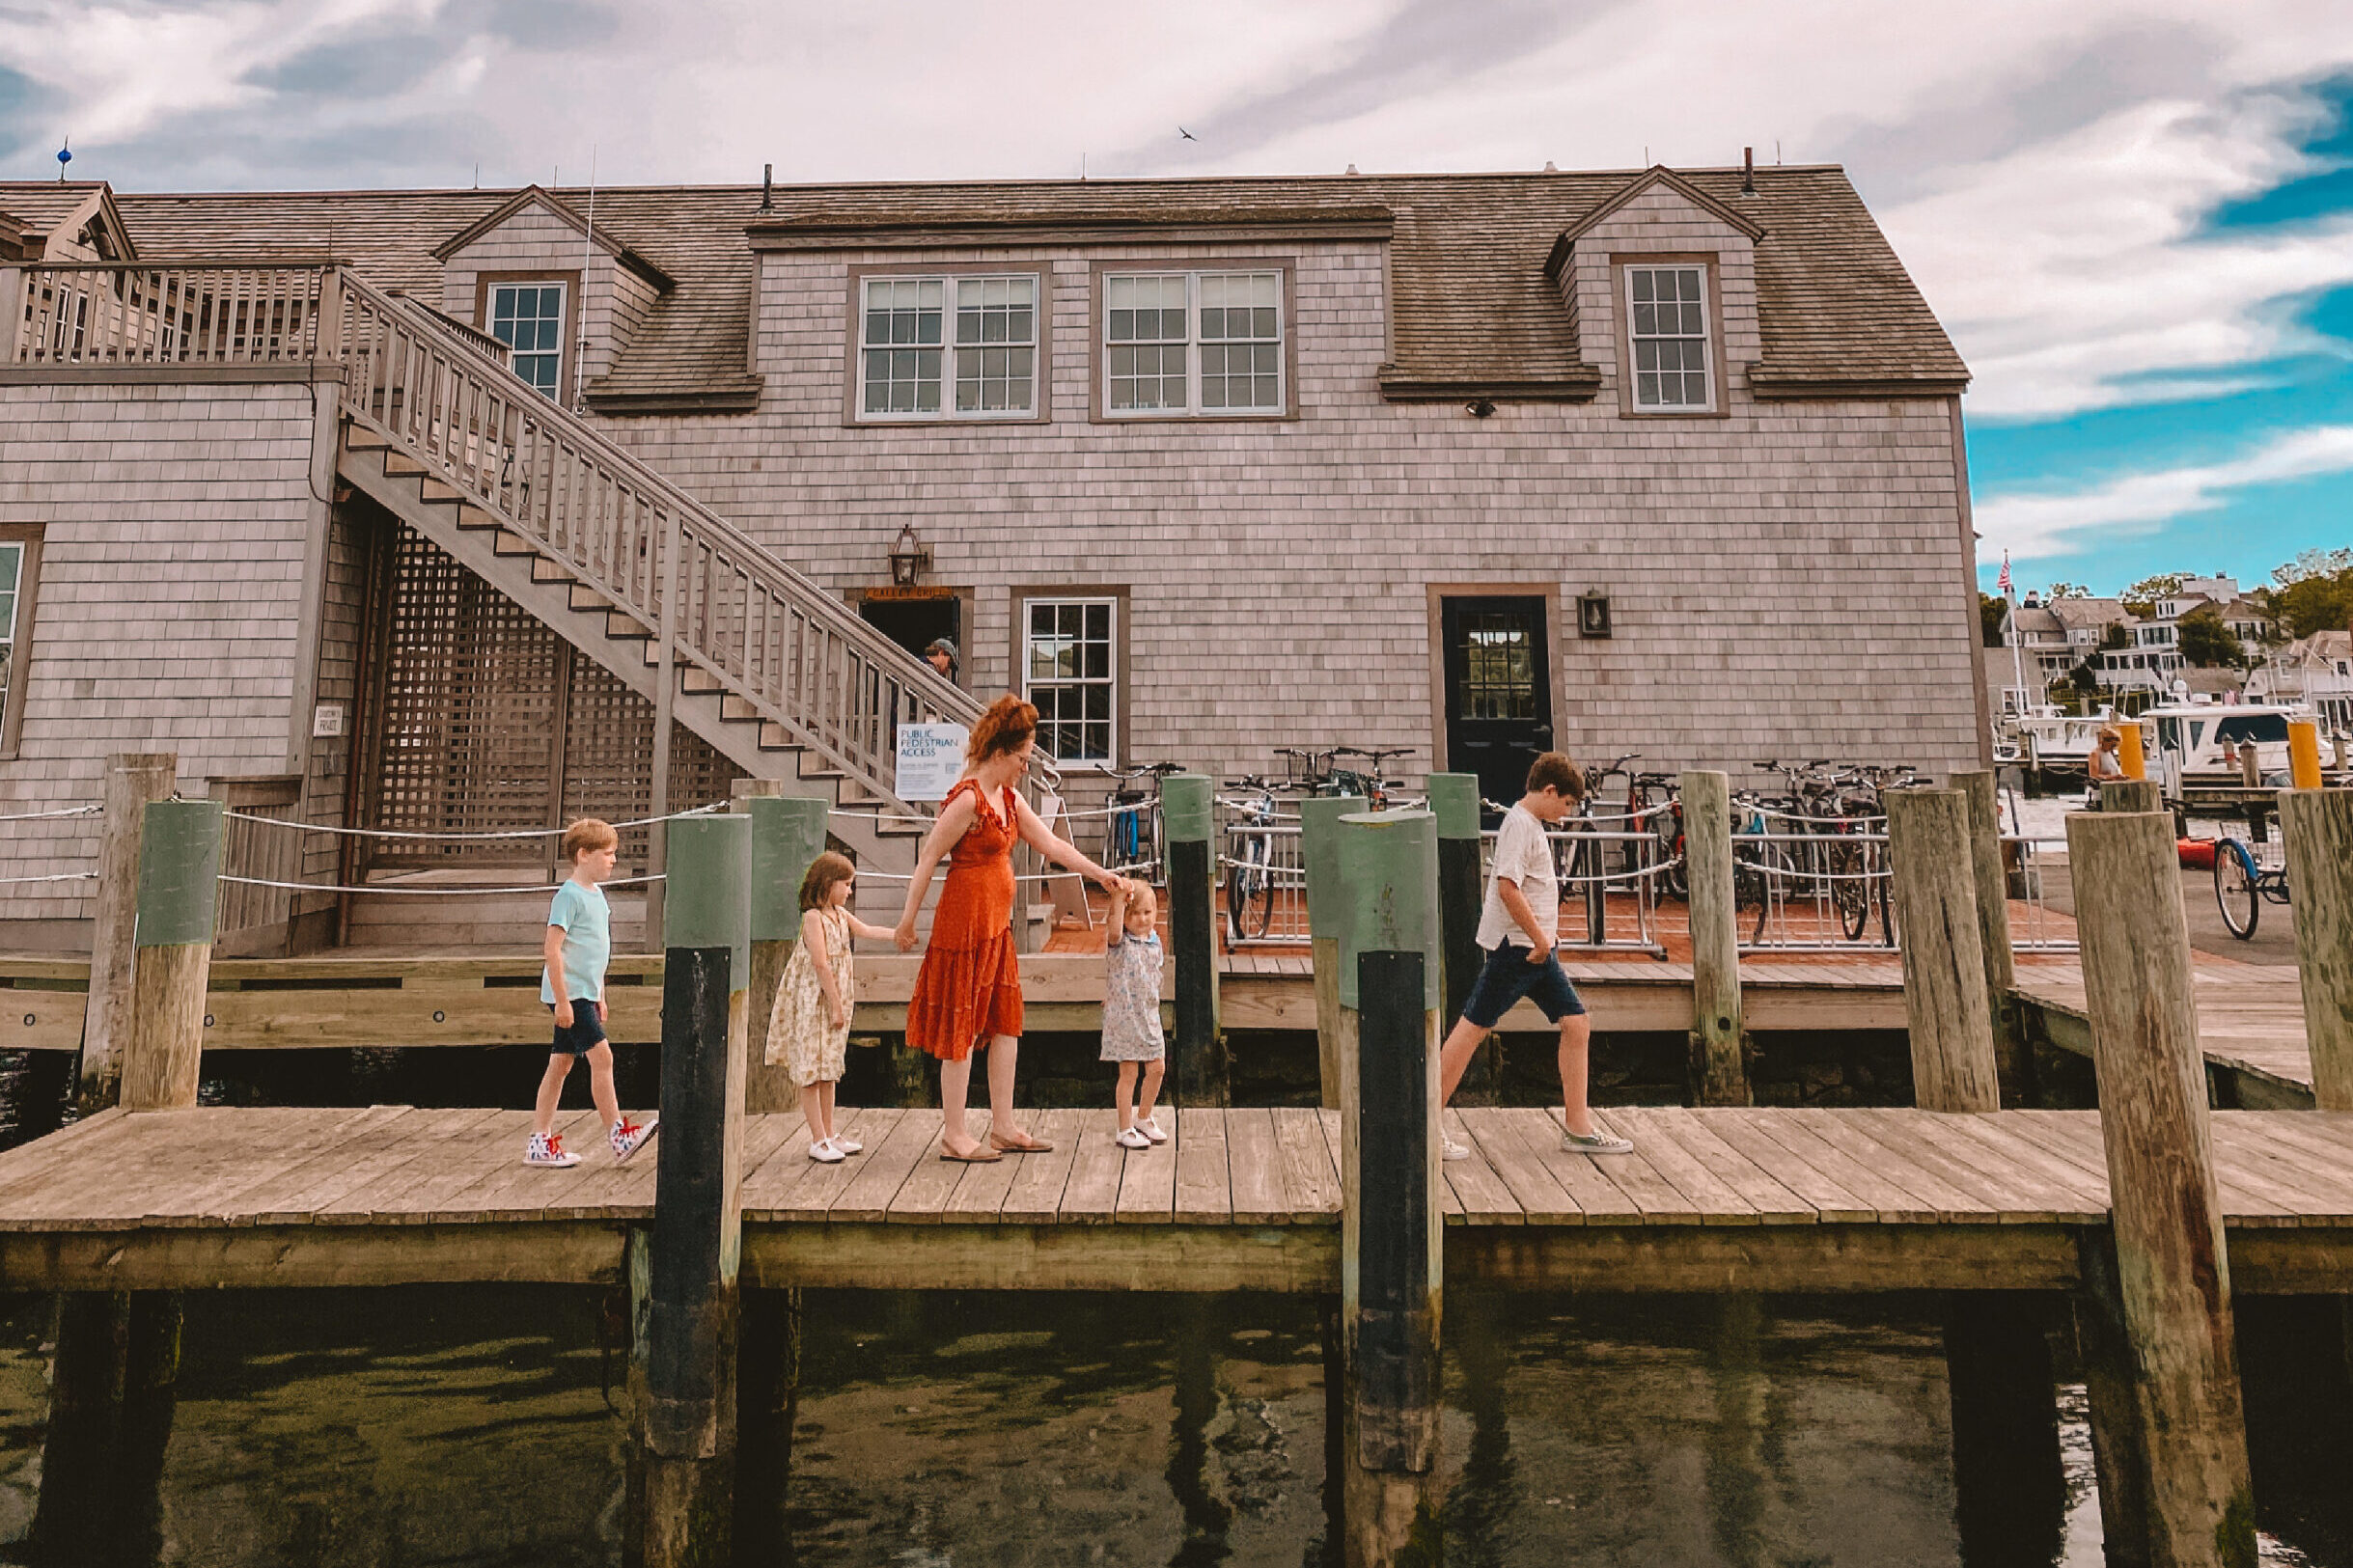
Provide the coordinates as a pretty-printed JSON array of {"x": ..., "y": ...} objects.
[{"x": 579, "y": 945}]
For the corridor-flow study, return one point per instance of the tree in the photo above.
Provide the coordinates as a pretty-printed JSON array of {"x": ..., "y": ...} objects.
[
  {"x": 2314, "y": 592},
  {"x": 2114, "y": 638},
  {"x": 2206, "y": 642},
  {"x": 2066, "y": 590},
  {"x": 2142, "y": 597},
  {"x": 1992, "y": 610}
]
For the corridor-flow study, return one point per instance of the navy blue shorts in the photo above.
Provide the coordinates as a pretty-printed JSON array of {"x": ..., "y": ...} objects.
[
  {"x": 587, "y": 1031},
  {"x": 1507, "y": 975}
]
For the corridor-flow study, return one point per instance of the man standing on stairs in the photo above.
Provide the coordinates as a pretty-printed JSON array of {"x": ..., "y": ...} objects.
[
  {"x": 941, "y": 656},
  {"x": 967, "y": 995}
]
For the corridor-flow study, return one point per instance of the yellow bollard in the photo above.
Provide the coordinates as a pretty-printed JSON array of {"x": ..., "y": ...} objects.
[
  {"x": 2129, "y": 756},
  {"x": 2304, "y": 754}
]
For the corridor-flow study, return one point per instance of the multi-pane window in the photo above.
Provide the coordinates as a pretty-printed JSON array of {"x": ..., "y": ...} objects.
[
  {"x": 1192, "y": 342},
  {"x": 528, "y": 317},
  {"x": 11, "y": 595},
  {"x": 904, "y": 353},
  {"x": 1069, "y": 672},
  {"x": 1499, "y": 667},
  {"x": 1666, "y": 308}
]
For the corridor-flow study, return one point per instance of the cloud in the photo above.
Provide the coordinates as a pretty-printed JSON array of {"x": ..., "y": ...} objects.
[{"x": 2039, "y": 527}]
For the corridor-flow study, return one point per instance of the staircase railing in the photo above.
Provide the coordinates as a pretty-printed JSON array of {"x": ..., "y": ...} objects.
[
  {"x": 773, "y": 640},
  {"x": 120, "y": 314}
]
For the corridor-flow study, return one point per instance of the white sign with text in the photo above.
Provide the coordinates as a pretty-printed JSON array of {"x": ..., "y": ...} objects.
[{"x": 930, "y": 761}]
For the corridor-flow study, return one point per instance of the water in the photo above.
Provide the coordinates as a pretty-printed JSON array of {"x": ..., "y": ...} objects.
[{"x": 471, "y": 1426}]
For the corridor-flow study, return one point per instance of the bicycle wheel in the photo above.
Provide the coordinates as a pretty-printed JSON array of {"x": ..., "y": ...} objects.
[
  {"x": 2234, "y": 888},
  {"x": 1849, "y": 892},
  {"x": 1237, "y": 859},
  {"x": 1257, "y": 893}
]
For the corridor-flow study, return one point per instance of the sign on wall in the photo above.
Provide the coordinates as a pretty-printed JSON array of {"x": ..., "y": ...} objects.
[{"x": 931, "y": 759}]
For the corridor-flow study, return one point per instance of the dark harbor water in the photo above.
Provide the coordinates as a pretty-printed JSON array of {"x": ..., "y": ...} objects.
[{"x": 472, "y": 1427}]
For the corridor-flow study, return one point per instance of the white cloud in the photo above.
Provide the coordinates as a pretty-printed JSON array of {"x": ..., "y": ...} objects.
[{"x": 2040, "y": 527}]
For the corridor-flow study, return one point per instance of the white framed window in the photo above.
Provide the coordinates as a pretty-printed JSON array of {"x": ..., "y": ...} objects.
[
  {"x": 1667, "y": 333},
  {"x": 1192, "y": 342},
  {"x": 19, "y": 578},
  {"x": 909, "y": 367},
  {"x": 1071, "y": 671},
  {"x": 528, "y": 317}
]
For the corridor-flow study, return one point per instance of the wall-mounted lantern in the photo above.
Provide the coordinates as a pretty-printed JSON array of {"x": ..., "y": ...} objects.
[
  {"x": 1593, "y": 614},
  {"x": 908, "y": 557}
]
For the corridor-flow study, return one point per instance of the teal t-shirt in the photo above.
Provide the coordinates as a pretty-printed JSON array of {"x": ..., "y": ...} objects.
[{"x": 588, "y": 941}]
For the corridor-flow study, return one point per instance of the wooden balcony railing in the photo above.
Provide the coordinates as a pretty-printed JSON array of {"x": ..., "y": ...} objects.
[{"x": 109, "y": 314}]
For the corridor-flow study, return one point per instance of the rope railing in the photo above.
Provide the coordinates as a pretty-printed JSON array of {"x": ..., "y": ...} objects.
[
  {"x": 59, "y": 876},
  {"x": 387, "y": 890},
  {"x": 92, "y": 808},
  {"x": 456, "y": 837}
]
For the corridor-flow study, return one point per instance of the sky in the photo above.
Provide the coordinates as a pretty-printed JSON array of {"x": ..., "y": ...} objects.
[{"x": 2135, "y": 219}]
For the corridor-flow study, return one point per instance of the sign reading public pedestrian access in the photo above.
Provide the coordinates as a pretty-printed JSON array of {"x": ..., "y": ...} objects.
[{"x": 930, "y": 758}]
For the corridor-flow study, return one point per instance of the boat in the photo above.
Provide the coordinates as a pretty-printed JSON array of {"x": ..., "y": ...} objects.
[
  {"x": 2043, "y": 737},
  {"x": 2201, "y": 745}
]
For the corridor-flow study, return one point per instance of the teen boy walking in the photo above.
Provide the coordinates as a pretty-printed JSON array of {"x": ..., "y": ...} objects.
[
  {"x": 579, "y": 945},
  {"x": 1517, "y": 927}
]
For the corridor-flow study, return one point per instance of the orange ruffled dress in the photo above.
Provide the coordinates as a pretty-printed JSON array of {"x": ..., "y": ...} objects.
[{"x": 969, "y": 986}]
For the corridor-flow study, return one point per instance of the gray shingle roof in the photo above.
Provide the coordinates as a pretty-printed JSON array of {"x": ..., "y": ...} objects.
[{"x": 1472, "y": 304}]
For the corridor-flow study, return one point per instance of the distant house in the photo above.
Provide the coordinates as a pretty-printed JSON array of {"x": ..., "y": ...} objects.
[
  {"x": 371, "y": 498},
  {"x": 2317, "y": 669},
  {"x": 2056, "y": 637}
]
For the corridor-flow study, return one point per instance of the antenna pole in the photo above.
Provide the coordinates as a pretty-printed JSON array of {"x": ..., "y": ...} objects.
[{"x": 587, "y": 259}]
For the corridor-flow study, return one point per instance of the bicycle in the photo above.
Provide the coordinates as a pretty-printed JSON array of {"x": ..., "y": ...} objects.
[
  {"x": 1250, "y": 883},
  {"x": 1131, "y": 833},
  {"x": 1365, "y": 782},
  {"x": 2241, "y": 887},
  {"x": 1585, "y": 858}
]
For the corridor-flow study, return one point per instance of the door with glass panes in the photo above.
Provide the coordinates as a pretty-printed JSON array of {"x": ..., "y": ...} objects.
[{"x": 1498, "y": 689}]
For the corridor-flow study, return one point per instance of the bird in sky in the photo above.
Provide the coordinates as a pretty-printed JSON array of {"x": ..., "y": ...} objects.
[{"x": 1186, "y": 134}]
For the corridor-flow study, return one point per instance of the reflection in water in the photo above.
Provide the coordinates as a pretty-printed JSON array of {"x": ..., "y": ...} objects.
[{"x": 470, "y": 1428}]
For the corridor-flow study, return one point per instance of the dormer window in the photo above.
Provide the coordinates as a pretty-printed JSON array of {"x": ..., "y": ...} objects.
[
  {"x": 1668, "y": 331},
  {"x": 528, "y": 317}
]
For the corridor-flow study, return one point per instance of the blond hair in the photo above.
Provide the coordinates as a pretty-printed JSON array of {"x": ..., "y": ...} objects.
[{"x": 588, "y": 834}]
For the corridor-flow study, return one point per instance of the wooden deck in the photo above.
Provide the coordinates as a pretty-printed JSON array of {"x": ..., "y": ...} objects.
[
  {"x": 2250, "y": 1024},
  {"x": 1712, "y": 1200}
]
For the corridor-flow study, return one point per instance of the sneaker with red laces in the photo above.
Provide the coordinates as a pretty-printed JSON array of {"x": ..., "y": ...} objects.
[
  {"x": 547, "y": 1149},
  {"x": 628, "y": 1137}
]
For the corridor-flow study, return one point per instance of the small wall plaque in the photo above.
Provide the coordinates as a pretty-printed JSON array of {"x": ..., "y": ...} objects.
[
  {"x": 326, "y": 721},
  {"x": 1593, "y": 614}
]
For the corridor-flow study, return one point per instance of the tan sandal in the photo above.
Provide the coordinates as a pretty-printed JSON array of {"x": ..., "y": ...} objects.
[
  {"x": 978, "y": 1156},
  {"x": 1026, "y": 1145}
]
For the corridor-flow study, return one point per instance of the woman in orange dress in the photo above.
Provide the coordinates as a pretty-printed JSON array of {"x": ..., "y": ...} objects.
[{"x": 968, "y": 993}]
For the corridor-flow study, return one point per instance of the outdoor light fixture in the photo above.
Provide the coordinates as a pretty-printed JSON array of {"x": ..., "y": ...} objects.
[
  {"x": 1593, "y": 614},
  {"x": 909, "y": 560}
]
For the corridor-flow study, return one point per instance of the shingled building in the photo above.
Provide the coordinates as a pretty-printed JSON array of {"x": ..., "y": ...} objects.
[{"x": 361, "y": 500}]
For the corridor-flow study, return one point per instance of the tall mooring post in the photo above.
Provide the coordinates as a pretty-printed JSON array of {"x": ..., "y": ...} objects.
[
  {"x": 2153, "y": 1317},
  {"x": 1319, "y": 854},
  {"x": 1392, "y": 1269},
  {"x": 134, "y": 780},
  {"x": 1989, "y": 873},
  {"x": 117, "y": 1360},
  {"x": 1719, "y": 1042},
  {"x": 2318, "y": 827},
  {"x": 1947, "y": 1009},
  {"x": 1454, "y": 799},
  {"x": 1189, "y": 829},
  {"x": 687, "y": 1318},
  {"x": 788, "y": 833}
]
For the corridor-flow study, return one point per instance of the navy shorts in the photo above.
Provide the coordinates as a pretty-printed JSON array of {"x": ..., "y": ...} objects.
[
  {"x": 587, "y": 1031},
  {"x": 1507, "y": 975}
]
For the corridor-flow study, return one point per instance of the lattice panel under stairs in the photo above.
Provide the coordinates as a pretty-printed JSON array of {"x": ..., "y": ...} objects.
[{"x": 491, "y": 723}]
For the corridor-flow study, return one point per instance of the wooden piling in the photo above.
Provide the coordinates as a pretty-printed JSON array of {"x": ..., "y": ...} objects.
[
  {"x": 1990, "y": 873},
  {"x": 788, "y": 833},
  {"x": 1947, "y": 1009},
  {"x": 180, "y": 861},
  {"x": 2318, "y": 827},
  {"x": 133, "y": 782},
  {"x": 687, "y": 1427},
  {"x": 1454, "y": 799},
  {"x": 2172, "y": 1406},
  {"x": 1391, "y": 1271},
  {"x": 1189, "y": 830},
  {"x": 1319, "y": 854},
  {"x": 1719, "y": 1040},
  {"x": 2126, "y": 795}
]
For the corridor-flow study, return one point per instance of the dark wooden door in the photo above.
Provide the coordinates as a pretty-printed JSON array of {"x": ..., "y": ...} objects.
[
  {"x": 1498, "y": 690},
  {"x": 912, "y": 624}
]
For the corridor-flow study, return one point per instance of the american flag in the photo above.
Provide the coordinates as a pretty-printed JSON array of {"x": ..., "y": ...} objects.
[{"x": 2003, "y": 582}]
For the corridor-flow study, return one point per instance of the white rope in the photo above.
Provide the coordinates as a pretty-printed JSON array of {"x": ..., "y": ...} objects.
[
  {"x": 62, "y": 876},
  {"x": 92, "y": 809},
  {"x": 421, "y": 892},
  {"x": 456, "y": 837},
  {"x": 1807, "y": 875}
]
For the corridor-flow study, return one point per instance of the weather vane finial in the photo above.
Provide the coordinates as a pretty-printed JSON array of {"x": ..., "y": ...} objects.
[{"x": 65, "y": 155}]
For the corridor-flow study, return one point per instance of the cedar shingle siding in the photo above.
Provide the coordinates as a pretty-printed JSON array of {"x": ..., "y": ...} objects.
[{"x": 1789, "y": 575}]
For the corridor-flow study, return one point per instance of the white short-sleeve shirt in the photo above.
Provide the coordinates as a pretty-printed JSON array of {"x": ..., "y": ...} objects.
[{"x": 1521, "y": 854}]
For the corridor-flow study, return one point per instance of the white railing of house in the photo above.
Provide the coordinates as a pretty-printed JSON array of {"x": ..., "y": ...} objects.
[{"x": 116, "y": 314}]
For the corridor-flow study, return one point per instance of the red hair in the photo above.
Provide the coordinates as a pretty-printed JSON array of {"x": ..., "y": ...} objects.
[{"x": 1007, "y": 723}]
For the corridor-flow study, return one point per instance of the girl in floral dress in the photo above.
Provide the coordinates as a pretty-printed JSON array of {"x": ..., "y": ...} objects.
[{"x": 808, "y": 1029}]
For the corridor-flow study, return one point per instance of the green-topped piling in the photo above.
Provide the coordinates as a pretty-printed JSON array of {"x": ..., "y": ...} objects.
[
  {"x": 180, "y": 862},
  {"x": 1189, "y": 830},
  {"x": 1454, "y": 799},
  {"x": 1391, "y": 1230},
  {"x": 684, "y": 1482},
  {"x": 134, "y": 780},
  {"x": 788, "y": 833},
  {"x": 1319, "y": 854}
]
